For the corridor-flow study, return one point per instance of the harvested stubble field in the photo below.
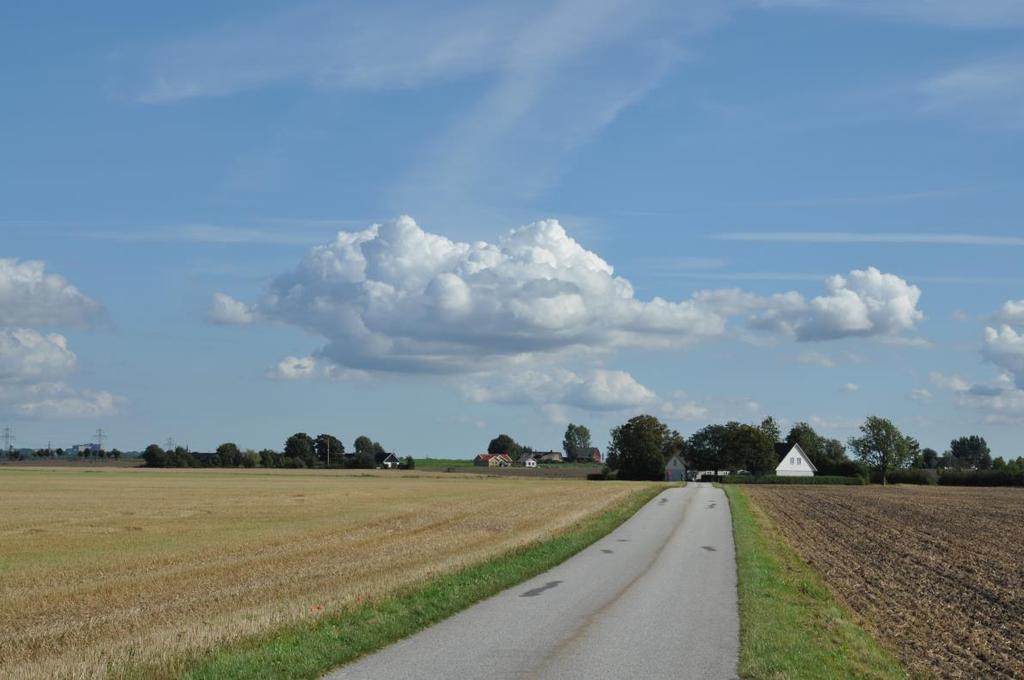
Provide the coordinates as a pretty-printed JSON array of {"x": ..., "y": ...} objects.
[
  {"x": 102, "y": 570},
  {"x": 937, "y": 574}
]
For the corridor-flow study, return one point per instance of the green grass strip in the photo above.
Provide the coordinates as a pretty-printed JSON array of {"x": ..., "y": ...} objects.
[
  {"x": 790, "y": 625},
  {"x": 310, "y": 650}
]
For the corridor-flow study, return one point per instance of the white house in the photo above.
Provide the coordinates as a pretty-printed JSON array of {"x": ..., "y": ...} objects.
[
  {"x": 793, "y": 462},
  {"x": 530, "y": 462},
  {"x": 675, "y": 470}
]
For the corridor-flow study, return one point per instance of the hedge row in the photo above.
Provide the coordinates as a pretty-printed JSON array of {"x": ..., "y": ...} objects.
[
  {"x": 981, "y": 478},
  {"x": 776, "y": 479},
  {"x": 914, "y": 476}
]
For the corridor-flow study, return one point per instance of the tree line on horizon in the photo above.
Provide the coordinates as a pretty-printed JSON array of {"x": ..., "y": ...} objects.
[
  {"x": 300, "y": 451},
  {"x": 640, "y": 448}
]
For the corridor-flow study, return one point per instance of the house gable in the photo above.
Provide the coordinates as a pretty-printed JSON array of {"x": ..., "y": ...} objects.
[{"x": 793, "y": 461}]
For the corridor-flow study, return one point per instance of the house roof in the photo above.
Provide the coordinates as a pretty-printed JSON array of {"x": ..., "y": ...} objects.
[
  {"x": 675, "y": 461},
  {"x": 783, "y": 449},
  {"x": 382, "y": 457}
]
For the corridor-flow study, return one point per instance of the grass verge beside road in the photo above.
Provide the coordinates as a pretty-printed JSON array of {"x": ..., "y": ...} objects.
[
  {"x": 790, "y": 625},
  {"x": 309, "y": 650}
]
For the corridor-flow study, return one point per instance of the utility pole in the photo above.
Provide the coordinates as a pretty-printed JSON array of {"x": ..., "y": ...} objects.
[
  {"x": 170, "y": 444},
  {"x": 8, "y": 435},
  {"x": 100, "y": 436}
]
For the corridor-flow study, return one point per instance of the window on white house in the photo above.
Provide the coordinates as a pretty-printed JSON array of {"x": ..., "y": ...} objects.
[
  {"x": 792, "y": 461},
  {"x": 798, "y": 460}
]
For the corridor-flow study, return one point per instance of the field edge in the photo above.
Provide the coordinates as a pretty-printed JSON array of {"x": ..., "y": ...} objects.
[
  {"x": 312, "y": 649},
  {"x": 790, "y": 624}
]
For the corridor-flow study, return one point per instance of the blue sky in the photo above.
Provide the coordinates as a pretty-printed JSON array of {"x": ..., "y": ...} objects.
[{"x": 685, "y": 182}]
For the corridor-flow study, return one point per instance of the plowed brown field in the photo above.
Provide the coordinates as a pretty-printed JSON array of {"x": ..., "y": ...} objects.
[{"x": 936, "y": 573}]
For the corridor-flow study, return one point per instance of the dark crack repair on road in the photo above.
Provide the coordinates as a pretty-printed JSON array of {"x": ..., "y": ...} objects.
[{"x": 537, "y": 591}]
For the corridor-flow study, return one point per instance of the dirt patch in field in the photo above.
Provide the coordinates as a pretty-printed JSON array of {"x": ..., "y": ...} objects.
[{"x": 937, "y": 574}]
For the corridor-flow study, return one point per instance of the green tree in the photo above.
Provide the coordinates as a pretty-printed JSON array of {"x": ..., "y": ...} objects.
[
  {"x": 639, "y": 447},
  {"x": 750, "y": 447},
  {"x": 707, "y": 448},
  {"x": 363, "y": 444},
  {"x": 770, "y": 427},
  {"x": 329, "y": 449},
  {"x": 882, "y": 447},
  {"x": 270, "y": 458},
  {"x": 154, "y": 456},
  {"x": 971, "y": 453},
  {"x": 576, "y": 443},
  {"x": 229, "y": 454},
  {"x": 299, "y": 447},
  {"x": 410, "y": 463},
  {"x": 505, "y": 444},
  {"x": 929, "y": 458}
]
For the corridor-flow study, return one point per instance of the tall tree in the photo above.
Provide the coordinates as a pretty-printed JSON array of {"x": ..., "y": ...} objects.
[
  {"x": 971, "y": 453},
  {"x": 882, "y": 446},
  {"x": 770, "y": 427},
  {"x": 929, "y": 458},
  {"x": 707, "y": 448},
  {"x": 300, "y": 447},
  {"x": 328, "y": 448},
  {"x": 750, "y": 447},
  {"x": 639, "y": 446},
  {"x": 576, "y": 443}
]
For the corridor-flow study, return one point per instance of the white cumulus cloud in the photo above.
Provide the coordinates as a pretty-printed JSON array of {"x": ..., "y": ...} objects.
[
  {"x": 397, "y": 298},
  {"x": 864, "y": 303},
  {"x": 57, "y": 400},
  {"x": 594, "y": 390},
  {"x": 31, "y": 297},
  {"x": 294, "y": 368},
  {"x": 1005, "y": 348},
  {"x": 1012, "y": 312},
  {"x": 226, "y": 310},
  {"x": 27, "y": 354}
]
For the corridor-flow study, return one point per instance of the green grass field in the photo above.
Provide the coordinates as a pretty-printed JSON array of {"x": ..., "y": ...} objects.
[{"x": 790, "y": 625}]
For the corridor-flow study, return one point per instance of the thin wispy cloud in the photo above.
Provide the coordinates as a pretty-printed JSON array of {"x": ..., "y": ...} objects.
[
  {"x": 548, "y": 76},
  {"x": 988, "y": 92},
  {"x": 931, "y": 238},
  {"x": 967, "y": 14},
  {"x": 208, "y": 233}
]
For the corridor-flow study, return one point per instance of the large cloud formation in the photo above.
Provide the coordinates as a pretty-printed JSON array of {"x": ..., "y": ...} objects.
[
  {"x": 33, "y": 364},
  {"x": 397, "y": 298},
  {"x": 31, "y": 297},
  {"x": 531, "y": 317}
]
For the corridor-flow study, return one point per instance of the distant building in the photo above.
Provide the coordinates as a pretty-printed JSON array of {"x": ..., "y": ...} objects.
[
  {"x": 84, "y": 448},
  {"x": 529, "y": 461},
  {"x": 388, "y": 461},
  {"x": 493, "y": 460},
  {"x": 675, "y": 470},
  {"x": 548, "y": 457},
  {"x": 594, "y": 454},
  {"x": 793, "y": 462}
]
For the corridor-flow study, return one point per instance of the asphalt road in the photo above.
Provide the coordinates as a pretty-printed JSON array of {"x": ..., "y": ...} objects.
[{"x": 656, "y": 598}]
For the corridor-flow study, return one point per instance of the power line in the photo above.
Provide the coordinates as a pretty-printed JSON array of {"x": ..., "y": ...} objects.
[
  {"x": 100, "y": 436},
  {"x": 8, "y": 435}
]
